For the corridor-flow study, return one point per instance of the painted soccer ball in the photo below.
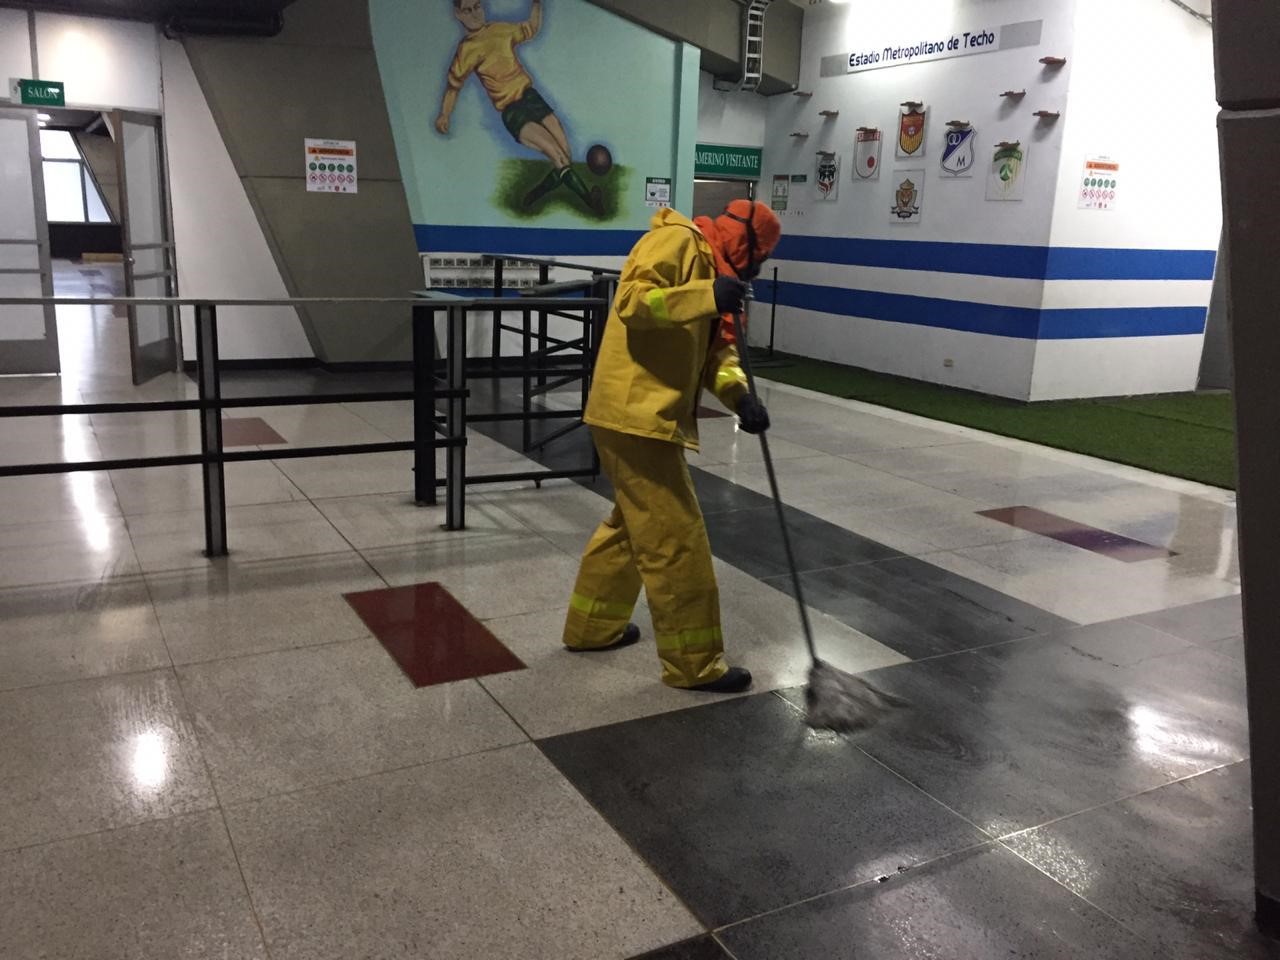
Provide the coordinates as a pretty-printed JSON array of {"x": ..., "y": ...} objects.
[{"x": 599, "y": 160}]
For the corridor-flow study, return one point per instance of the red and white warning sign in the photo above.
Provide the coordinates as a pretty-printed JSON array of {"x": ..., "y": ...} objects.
[
  {"x": 331, "y": 166},
  {"x": 1100, "y": 184}
]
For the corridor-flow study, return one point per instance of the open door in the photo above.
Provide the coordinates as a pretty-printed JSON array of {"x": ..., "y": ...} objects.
[
  {"x": 149, "y": 269},
  {"x": 28, "y": 335}
]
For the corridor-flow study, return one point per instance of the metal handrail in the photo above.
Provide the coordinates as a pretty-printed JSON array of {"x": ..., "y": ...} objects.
[{"x": 427, "y": 389}]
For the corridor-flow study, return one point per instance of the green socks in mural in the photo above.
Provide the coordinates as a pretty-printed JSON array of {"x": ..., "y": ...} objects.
[{"x": 570, "y": 178}]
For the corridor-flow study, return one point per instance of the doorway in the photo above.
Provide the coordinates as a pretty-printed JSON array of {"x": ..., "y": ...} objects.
[
  {"x": 97, "y": 226},
  {"x": 710, "y": 197}
]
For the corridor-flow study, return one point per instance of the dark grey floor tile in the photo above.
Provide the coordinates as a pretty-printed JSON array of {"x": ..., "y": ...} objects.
[
  {"x": 1173, "y": 864},
  {"x": 752, "y": 542},
  {"x": 1232, "y": 647},
  {"x": 1199, "y": 622},
  {"x": 742, "y": 809},
  {"x": 1016, "y": 735},
  {"x": 980, "y": 905},
  {"x": 704, "y": 948},
  {"x": 718, "y": 495},
  {"x": 918, "y": 609},
  {"x": 1123, "y": 643}
]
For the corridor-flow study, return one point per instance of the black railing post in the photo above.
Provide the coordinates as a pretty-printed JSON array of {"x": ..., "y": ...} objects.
[
  {"x": 210, "y": 392},
  {"x": 773, "y": 313},
  {"x": 496, "y": 347},
  {"x": 526, "y": 398},
  {"x": 544, "y": 277},
  {"x": 424, "y": 405},
  {"x": 456, "y": 421}
]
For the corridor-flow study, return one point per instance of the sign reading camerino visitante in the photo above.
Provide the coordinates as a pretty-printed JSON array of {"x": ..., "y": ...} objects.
[
  {"x": 718, "y": 160},
  {"x": 903, "y": 50}
]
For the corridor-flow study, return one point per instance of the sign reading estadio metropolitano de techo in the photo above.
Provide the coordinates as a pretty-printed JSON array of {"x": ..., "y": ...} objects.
[{"x": 900, "y": 51}]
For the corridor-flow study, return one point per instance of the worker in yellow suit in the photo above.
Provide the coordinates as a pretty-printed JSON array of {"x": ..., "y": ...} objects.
[{"x": 668, "y": 337}]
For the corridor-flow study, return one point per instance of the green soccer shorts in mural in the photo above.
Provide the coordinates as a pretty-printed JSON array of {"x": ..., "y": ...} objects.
[{"x": 530, "y": 108}]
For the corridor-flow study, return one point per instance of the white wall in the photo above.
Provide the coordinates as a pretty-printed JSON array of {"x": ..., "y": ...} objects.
[
  {"x": 1142, "y": 92},
  {"x": 730, "y": 117},
  {"x": 955, "y": 211},
  {"x": 104, "y": 63},
  {"x": 221, "y": 251},
  {"x": 15, "y": 48}
]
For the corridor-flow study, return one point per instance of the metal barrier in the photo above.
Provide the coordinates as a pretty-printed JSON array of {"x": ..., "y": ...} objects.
[{"x": 431, "y": 431}]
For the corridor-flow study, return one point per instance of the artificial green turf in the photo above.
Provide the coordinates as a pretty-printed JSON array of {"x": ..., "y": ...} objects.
[{"x": 1190, "y": 435}]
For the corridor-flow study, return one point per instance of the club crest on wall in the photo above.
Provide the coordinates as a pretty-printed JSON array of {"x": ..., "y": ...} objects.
[
  {"x": 958, "y": 153},
  {"x": 866, "y": 154},
  {"x": 908, "y": 196},
  {"x": 911, "y": 127},
  {"x": 827, "y": 183}
]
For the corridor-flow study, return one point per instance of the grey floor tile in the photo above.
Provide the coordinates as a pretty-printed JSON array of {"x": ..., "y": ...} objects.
[
  {"x": 299, "y": 718},
  {"x": 741, "y": 808},
  {"x": 169, "y": 890},
  {"x": 1172, "y": 864},
  {"x": 493, "y": 575},
  {"x": 52, "y": 634},
  {"x": 228, "y": 609},
  {"x": 978, "y": 905},
  {"x": 1016, "y": 735},
  {"x": 1203, "y": 622},
  {"x": 96, "y": 754},
  {"x": 492, "y": 855}
]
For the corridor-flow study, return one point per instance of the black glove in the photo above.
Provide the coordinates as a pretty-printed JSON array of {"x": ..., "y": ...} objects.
[
  {"x": 729, "y": 293},
  {"x": 752, "y": 416}
]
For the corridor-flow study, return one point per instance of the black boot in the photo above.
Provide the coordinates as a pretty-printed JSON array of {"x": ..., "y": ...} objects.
[
  {"x": 630, "y": 634},
  {"x": 549, "y": 183},
  {"x": 735, "y": 681}
]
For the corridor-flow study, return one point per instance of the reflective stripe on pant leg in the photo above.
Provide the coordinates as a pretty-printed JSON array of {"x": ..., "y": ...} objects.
[
  {"x": 669, "y": 542},
  {"x": 606, "y": 590}
]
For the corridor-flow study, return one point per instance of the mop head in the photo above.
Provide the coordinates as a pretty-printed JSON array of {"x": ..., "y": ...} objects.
[{"x": 844, "y": 703}]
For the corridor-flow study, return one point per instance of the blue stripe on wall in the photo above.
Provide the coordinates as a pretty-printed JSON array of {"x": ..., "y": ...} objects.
[
  {"x": 1004, "y": 260},
  {"x": 1019, "y": 322},
  {"x": 979, "y": 259}
]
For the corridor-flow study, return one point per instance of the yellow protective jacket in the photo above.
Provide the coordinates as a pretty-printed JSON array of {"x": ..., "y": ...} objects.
[{"x": 661, "y": 345}]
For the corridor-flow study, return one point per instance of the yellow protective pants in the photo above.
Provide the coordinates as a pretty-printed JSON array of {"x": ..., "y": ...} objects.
[{"x": 655, "y": 537}]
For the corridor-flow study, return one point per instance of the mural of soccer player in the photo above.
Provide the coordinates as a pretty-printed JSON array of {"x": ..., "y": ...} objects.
[{"x": 489, "y": 51}]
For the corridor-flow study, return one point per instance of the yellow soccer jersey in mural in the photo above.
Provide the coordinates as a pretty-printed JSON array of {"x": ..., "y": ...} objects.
[{"x": 490, "y": 53}]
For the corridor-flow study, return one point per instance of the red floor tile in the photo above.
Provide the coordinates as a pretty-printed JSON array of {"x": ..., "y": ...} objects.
[
  {"x": 431, "y": 635},
  {"x": 1114, "y": 545},
  {"x": 248, "y": 432}
]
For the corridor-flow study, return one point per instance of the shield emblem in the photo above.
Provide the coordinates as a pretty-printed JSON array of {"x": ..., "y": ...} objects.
[
  {"x": 907, "y": 197},
  {"x": 828, "y": 181},
  {"x": 911, "y": 133},
  {"x": 867, "y": 155},
  {"x": 958, "y": 155},
  {"x": 1005, "y": 180}
]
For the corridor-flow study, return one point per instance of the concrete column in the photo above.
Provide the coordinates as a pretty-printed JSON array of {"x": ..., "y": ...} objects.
[{"x": 1246, "y": 36}]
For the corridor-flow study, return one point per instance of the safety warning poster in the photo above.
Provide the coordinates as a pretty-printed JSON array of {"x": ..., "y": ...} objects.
[
  {"x": 1100, "y": 184},
  {"x": 331, "y": 166}
]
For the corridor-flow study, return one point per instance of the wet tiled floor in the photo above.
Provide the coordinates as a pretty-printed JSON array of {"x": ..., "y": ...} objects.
[{"x": 221, "y": 759}]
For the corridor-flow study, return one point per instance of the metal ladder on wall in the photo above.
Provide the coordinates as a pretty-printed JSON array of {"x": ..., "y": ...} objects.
[{"x": 753, "y": 44}]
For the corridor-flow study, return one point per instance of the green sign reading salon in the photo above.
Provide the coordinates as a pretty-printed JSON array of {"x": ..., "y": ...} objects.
[
  {"x": 738, "y": 163},
  {"x": 41, "y": 93}
]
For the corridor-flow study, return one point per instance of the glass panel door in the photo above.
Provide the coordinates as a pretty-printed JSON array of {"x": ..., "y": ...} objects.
[
  {"x": 28, "y": 335},
  {"x": 148, "y": 246}
]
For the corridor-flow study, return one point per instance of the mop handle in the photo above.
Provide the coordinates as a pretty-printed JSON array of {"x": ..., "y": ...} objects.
[{"x": 744, "y": 356}]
